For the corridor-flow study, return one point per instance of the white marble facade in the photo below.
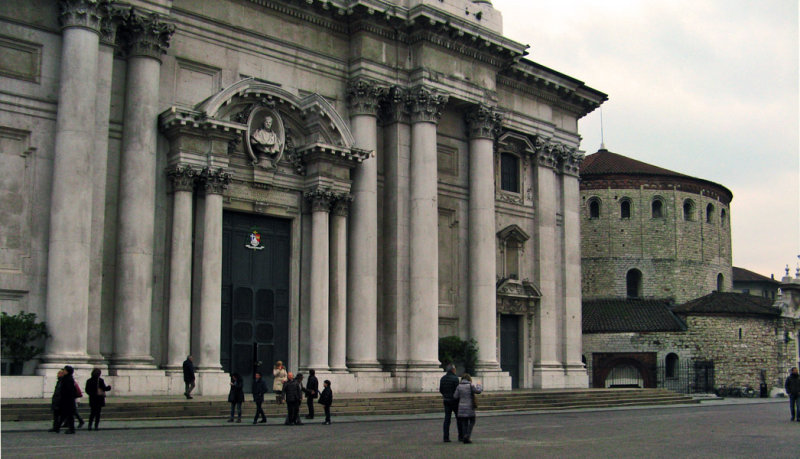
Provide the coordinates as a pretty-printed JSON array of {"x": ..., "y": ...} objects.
[{"x": 425, "y": 170}]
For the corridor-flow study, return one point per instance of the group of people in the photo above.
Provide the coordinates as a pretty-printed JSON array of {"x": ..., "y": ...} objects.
[
  {"x": 65, "y": 400},
  {"x": 459, "y": 399},
  {"x": 288, "y": 388}
]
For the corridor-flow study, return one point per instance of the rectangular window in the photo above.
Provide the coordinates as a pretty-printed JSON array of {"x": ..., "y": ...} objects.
[{"x": 509, "y": 173}]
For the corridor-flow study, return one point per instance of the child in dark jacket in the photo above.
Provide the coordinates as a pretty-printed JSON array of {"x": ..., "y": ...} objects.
[{"x": 326, "y": 400}]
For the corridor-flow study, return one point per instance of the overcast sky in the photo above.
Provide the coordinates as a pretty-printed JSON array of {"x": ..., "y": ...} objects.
[{"x": 705, "y": 88}]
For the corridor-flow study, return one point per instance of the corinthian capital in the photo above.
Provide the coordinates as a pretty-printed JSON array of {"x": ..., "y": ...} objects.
[
  {"x": 342, "y": 205},
  {"x": 570, "y": 161},
  {"x": 87, "y": 14},
  {"x": 425, "y": 104},
  {"x": 364, "y": 96},
  {"x": 182, "y": 177},
  {"x": 214, "y": 181},
  {"x": 320, "y": 199},
  {"x": 393, "y": 107},
  {"x": 546, "y": 152},
  {"x": 146, "y": 34},
  {"x": 483, "y": 122}
]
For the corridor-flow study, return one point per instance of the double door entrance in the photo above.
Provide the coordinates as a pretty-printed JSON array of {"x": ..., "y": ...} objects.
[{"x": 255, "y": 294}]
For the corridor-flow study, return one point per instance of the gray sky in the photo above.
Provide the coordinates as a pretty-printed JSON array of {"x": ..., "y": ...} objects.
[{"x": 706, "y": 88}]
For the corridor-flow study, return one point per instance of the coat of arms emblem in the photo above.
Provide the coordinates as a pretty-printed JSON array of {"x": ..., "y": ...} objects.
[{"x": 255, "y": 241}]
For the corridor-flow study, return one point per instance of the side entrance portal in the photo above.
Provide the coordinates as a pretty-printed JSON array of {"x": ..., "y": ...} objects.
[
  {"x": 255, "y": 294},
  {"x": 509, "y": 347}
]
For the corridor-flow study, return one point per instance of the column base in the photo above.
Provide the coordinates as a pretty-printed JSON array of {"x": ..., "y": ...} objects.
[
  {"x": 419, "y": 378},
  {"x": 576, "y": 376},
  {"x": 548, "y": 375},
  {"x": 364, "y": 365},
  {"x": 492, "y": 379},
  {"x": 212, "y": 382},
  {"x": 132, "y": 362}
]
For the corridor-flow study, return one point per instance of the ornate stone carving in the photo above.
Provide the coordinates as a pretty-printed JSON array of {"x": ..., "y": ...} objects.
[
  {"x": 364, "y": 96},
  {"x": 393, "y": 107},
  {"x": 146, "y": 34},
  {"x": 214, "y": 181},
  {"x": 570, "y": 161},
  {"x": 516, "y": 297},
  {"x": 113, "y": 17},
  {"x": 266, "y": 137},
  {"x": 183, "y": 177},
  {"x": 320, "y": 199},
  {"x": 546, "y": 152},
  {"x": 341, "y": 206},
  {"x": 483, "y": 122},
  {"x": 82, "y": 13},
  {"x": 425, "y": 104}
]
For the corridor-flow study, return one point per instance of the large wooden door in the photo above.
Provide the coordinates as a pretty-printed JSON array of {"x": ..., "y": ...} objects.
[
  {"x": 255, "y": 294},
  {"x": 509, "y": 347}
]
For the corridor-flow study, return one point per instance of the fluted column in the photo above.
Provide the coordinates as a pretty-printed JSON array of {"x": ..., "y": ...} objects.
[
  {"x": 482, "y": 123},
  {"x": 213, "y": 182},
  {"x": 425, "y": 106},
  {"x": 337, "y": 339},
  {"x": 71, "y": 203},
  {"x": 180, "y": 267},
  {"x": 362, "y": 267},
  {"x": 147, "y": 37},
  {"x": 320, "y": 201}
]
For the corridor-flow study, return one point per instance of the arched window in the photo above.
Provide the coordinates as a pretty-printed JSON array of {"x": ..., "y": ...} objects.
[
  {"x": 509, "y": 172},
  {"x": 633, "y": 281},
  {"x": 720, "y": 282},
  {"x": 723, "y": 218},
  {"x": 709, "y": 213},
  {"x": 688, "y": 210},
  {"x": 671, "y": 364},
  {"x": 657, "y": 208},
  {"x": 594, "y": 208},
  {"x": 625, "y": 208}
]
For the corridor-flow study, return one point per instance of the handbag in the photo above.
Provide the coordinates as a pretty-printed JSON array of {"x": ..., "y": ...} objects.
[{"x": 100, "y": 391}]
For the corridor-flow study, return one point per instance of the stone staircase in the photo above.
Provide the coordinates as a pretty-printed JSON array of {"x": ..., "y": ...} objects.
[{"x": 148, "y": 408}]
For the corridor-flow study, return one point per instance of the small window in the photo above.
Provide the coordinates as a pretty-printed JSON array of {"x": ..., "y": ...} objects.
[
  {"x": 657, "y": 208},
  {"x": 633, "y": 281},
  {"x": 720, "y": 282},
  {"x": 709, "y": 213},
  {"x": 740, "y": 333},
  {"x": 594, "y": 208},
  {"x": 688, "y": 210},
  {"x": 671, "y": 365},
  {"x": 625, "y": 208},
  {"x": 512, "y": 259},
  {"x": 723, "y": 218},
  {"x": 509, "y": 172}
]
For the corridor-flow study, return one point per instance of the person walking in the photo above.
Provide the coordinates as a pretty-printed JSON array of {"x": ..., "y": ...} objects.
[
  {"x": 447, "y": 387},
  {"x": 465, "y": 394},
  {"x": 188, "y": 376},
  {"x": 259, "y": 389},
  {"x": 280, "y": 377},
  {"x": 67, "y": 400},
  {"x": 792, "y": 387},
  {"x": 236, "y": 396},
  {"x": 96, "y": 389},
  {"x": 78, "y": 395},
  {"x": 312, "y": 392},
  {"x": 55, "y": 403},
  {"x": 326, "y": 400},
  {"x": 293, "y": 395}
]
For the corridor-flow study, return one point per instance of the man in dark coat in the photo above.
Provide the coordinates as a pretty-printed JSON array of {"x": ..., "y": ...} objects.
[
  {"x": 326, "y": 400},
  {"x": 259, "y": 389},
  {"x": 55, "y": 403},
  {"x": 447, "y": 386},
  {"x": 188, "y": 376},
  {"x": 312, "y": 391},
  {"x": 293, "y": 394},
  {"x": 792, "y": 387},
  {"x": 66, "y": 402}
]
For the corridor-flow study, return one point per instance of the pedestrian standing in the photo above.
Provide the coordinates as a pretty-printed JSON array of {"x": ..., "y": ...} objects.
[
  {"x": 326, "y": 400},
  {"x": 312, "y": 392},
  {"x": 55, "y": 402},
  {"x": 465, "y": 394},
  {"x": 447, "y": 387},
  {"x": 792, "y": 387},
  {"x": 67, "y": 400},
  {"x": 96, "y": 389},
  {"x": 236, "y": 396},
  {"x": 188, "y": 376},
  {"x": 293, "y": 395},
  {"x": 78, "y": 395},
  {"x": 259, "y": 389},
  {"x": 280, "y": 377},
  {"x": 299, "y": 380}
]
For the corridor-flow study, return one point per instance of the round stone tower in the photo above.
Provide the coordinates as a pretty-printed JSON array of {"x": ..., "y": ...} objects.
[{"x": 648, "y": 232}]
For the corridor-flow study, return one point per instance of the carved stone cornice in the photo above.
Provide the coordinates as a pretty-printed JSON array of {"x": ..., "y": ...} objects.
[
  {"x": 393, "y": 106},
  {"x": 483, "y": 122},
  {"x": 183, "y": 177},
  {"x": 214, "y": 181},
  {"x": 425, "y": 104},
  {"x": 87, "y": 14},
  {"x": 146, "y": 34},
  {"x": 364, "y": 96},
  {"x": 320, "y": 199},
  {"x": 341, "y": 206}
]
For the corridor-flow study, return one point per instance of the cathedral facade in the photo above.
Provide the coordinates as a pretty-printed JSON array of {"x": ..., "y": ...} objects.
[{"x": 335, "y": 184}]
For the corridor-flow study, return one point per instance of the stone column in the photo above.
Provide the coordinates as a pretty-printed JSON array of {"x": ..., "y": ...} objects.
[
  {"x": 180, "y": 268},
  {"x": 576, "y": 375},
  {"x": 319, "y": 292},
  {"x": 425, "y": 107},
  {"x": 482, "y": 123},
  {"x": 71, "y": 203},
  {"x": 362, "y": 267},
  {"x": 337, "y": 339},
  {"x": 214, "y": 182},
  {"x": 147, "y": 37}
]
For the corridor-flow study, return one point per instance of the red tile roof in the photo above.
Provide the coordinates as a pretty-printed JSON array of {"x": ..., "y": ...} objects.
[
  {"x": 743, "y": 275},
  {"x": 605, "y": 162}
]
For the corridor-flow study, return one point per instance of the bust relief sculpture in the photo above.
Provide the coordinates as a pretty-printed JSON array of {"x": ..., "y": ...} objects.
[{"x": 265, "y": 139}]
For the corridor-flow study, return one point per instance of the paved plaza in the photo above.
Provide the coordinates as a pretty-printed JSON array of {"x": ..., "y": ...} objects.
[{"x": 719, "y": 429}]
